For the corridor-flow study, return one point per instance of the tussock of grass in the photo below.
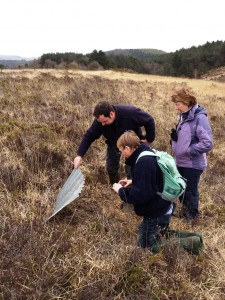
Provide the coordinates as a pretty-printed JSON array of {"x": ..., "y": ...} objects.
[{"x": 88, "y": 250}]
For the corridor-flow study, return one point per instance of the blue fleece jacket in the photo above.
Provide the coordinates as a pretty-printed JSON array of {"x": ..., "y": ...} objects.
[
  {"x": 127, "y": 118},
  {"x": 147, "y": 180}
]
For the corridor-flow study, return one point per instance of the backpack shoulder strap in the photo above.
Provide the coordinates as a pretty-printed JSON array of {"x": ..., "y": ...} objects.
[{"x": 148, "y": 153}]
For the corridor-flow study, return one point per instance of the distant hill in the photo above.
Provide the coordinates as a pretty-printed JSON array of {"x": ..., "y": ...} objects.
[
  {"x": 10, "y": 57},
  {"x": 142, "y": 54},
  {"x": 15, "y": 57},
  {"x": 13, "y": 63}
]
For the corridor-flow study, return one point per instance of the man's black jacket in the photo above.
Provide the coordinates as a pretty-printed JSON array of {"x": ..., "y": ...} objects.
[{"x": 127, "y": 118}]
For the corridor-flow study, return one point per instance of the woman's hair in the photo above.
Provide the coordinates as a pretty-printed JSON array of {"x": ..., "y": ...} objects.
[
  {"x": 185, "y": 96},
  {"x": 103, "y": 108},
  {"x": 128, "y": 138}
]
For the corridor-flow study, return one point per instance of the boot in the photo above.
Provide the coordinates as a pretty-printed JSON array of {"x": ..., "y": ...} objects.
[
  {"x": 168, "y": 233},
  {"x": 190, "y": 241},
  {"x": 191, "y": 244}
]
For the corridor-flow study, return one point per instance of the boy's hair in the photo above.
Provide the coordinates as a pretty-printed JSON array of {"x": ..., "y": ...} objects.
[
  {"x": 128, "y": 138},
  {"x": 103, "y": 108},
  {"x": 185, "y": 96}
]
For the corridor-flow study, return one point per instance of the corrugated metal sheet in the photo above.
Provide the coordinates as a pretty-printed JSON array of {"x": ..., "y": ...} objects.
[{"x": 70, "y": 191}]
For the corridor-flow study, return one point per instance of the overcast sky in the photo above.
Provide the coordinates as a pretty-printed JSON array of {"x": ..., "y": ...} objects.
[{"x": 30, "y": 28}]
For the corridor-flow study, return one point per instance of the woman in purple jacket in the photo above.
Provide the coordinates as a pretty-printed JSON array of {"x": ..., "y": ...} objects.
[{"x": 191, "y": 140}]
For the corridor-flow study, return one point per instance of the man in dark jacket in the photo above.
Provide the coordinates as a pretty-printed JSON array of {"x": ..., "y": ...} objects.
[
  {"x": 141, "y": 191},
  {"x": 112, "y": 121}
]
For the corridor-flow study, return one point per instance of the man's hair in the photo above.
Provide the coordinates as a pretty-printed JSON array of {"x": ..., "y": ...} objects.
[
  {"x": 128, "y": 138},
  {"x": 103, "y": 108},
  {"x": 185, "y": 96}
]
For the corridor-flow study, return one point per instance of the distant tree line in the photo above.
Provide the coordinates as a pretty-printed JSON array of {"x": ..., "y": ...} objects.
[
  {"x": 192, "y": 62},
  {"x": 93, "y": 61}
]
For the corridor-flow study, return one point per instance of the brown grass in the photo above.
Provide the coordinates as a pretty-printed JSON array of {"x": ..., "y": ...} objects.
[{"x": 88, "y": 251}]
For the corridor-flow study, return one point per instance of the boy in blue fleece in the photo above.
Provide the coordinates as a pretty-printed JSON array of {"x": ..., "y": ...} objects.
[{"x": 141, "y": 191}]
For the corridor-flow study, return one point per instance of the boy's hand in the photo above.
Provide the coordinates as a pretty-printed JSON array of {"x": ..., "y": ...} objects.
[
  {"x": 116, "y": 187},
  {"x": 125, "y": 182}
]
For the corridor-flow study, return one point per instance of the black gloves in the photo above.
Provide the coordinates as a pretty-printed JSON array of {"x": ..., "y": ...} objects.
[{"x": 173, "y": 135}]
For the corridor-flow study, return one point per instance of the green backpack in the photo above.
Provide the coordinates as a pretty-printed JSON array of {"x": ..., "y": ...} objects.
[{"x": 174, "y": 184}]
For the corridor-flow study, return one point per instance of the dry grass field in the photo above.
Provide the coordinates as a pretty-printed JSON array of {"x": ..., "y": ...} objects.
[{"x": 88, "y": 250}]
